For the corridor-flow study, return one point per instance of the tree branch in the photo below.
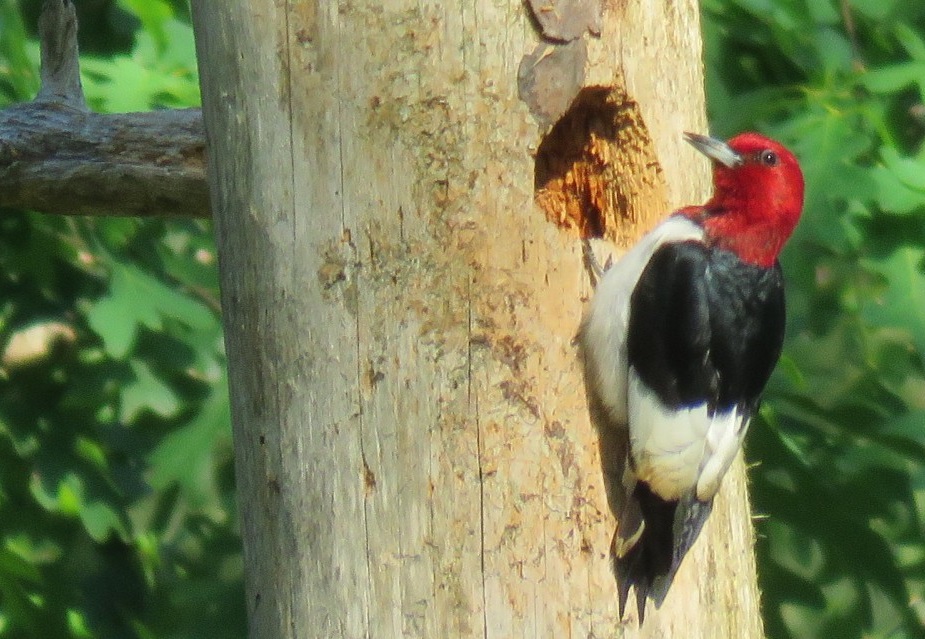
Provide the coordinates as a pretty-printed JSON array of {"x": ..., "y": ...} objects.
[{"x": 58, "y": 157}]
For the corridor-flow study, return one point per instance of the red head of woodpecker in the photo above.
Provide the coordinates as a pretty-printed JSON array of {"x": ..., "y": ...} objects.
[{"x": 679, "y": 341}]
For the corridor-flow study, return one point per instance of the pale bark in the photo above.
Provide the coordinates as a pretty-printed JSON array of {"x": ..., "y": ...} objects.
[{"x": 414, "y": 452}]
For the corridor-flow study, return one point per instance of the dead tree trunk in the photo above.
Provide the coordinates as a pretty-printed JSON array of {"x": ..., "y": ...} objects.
[{"x": 402, "y": 282}]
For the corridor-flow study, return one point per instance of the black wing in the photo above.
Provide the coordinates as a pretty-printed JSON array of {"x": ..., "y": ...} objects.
[
  {"x": 669, "y": 332},
  {"x": 705, "y": 326}
]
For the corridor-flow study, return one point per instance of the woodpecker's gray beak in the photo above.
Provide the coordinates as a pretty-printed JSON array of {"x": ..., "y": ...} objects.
[{"x": 716, "y": 150}]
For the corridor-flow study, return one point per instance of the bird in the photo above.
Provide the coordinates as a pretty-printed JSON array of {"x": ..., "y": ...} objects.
[{"x": 678, "y": 342}]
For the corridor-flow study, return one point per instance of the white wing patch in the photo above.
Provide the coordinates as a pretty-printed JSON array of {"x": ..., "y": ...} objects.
[
  {"x": 603, "y": 332},
  {"x": 724, "y": 440},
  {"x": 677, "y": 450}
]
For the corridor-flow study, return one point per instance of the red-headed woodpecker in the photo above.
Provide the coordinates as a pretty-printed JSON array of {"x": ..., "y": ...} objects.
[{"x": 679, "y": 341}]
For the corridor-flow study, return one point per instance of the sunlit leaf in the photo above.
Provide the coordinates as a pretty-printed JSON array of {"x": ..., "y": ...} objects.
[
  {"x": 137, "y": 299},
  {"x": 116, "y": 328},
  {"x": 902, "y": 305},
  {"x": 895, "y": 195},
  {"x": 910, "y": 171},
  {"x": 894, "y": 77},
  {"x": 153, "y": 15},
  {"x": 185, "y": 456},
  {"x": 146, "y": 392},
  {"x": 911, "y": 41},
  {"x": 101, "y": 520}
]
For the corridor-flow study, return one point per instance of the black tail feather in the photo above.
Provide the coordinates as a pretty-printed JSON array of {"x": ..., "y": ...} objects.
[
  {"x": 628, "y": 573},
  {"x": 650, "y": 565},
  {"x": 622, "y": 568},
  {"x": 690, "y": 516}
]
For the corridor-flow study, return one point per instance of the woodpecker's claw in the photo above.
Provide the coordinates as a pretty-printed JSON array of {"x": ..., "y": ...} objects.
[{"x": 591, "y": 261}]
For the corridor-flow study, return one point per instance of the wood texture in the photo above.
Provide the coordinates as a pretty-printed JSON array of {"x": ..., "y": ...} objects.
[
  {"x": 57, "y": 157},
  {"x": 415, "y": 457}
]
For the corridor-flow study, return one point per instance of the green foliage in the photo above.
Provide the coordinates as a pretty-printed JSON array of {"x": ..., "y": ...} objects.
[
  {"x": 839, "y": 453},
  {"x": 117, "y": 512}
]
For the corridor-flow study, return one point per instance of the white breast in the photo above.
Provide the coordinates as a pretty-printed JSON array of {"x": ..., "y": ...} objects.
[{"x": 677, "y": 450}]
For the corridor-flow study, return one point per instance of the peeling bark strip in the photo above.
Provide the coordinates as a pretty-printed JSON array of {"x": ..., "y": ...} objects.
[
  {"x": 550, "y": 77},
  {"x": 57, "y": 157},
  {"x": 566, "y": 20}
]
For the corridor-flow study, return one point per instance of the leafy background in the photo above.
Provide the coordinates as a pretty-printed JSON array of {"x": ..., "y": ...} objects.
[
  {"x": 117, "y": 511},
  {"x": 117, "y": 514}
]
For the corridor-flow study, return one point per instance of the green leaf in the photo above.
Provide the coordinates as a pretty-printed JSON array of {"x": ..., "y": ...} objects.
[
  {"x": 827, "y": 142},
  {"x": 156, "y": 300},
  {"x": 91, "y": 451},
  {"x": 77, "y": 624},
  {"x": 64, "y": 496},
  {"x": 910, "y": 41},
  {"x": 18, "y": 66},
  {"x": 185, "y": 457},
  {"x": 109, "y": 318},
  {"x": 894, "y": 195},
  {"x": 823, "y": 12},
  {"x": 906, "y": 434},
  {"x": 893, "y": 78},
  {"x": 13, "y": 565},
  {"x": 101, "y": 521},
  {"x": 875, "y": 9},
  {"x": 902, "y": 303},
  {"x": 834, "y": 49},
  {"x": 153, "y": 15},
  {"x": 910, "y": 171},
  {"x": 146, "y": 392},
  {"x": 138, "y": 299}
]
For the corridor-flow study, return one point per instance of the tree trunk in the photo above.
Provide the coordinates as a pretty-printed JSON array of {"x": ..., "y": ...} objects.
[{"x": 402, "y": 282}]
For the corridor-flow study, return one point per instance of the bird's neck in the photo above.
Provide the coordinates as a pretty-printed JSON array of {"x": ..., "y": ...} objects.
[
  {"x": 757, "y": 244},
  {"x": 754, "y": 241}
]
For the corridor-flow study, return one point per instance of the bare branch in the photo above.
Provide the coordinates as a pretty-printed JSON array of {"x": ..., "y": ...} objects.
[
  {"x": 57, "y": 157},
  {"x": 60, "y": 64}
]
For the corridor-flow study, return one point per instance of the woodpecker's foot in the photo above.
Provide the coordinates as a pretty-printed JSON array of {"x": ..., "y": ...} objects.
[{"x": 594, "y": 267}]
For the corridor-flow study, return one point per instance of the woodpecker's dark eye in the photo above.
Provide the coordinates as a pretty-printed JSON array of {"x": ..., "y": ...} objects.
[{"x": 769, "y": 158}]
